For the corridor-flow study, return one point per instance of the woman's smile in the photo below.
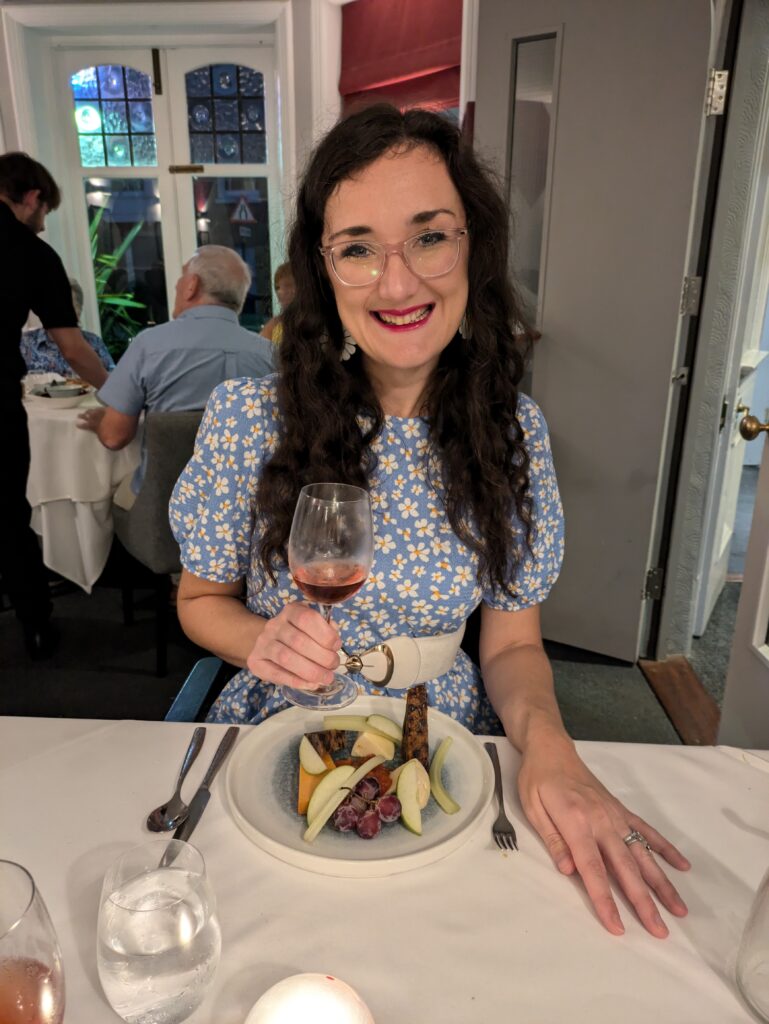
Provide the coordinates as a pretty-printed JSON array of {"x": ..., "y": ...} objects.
[{"x": 404, "y": 319}]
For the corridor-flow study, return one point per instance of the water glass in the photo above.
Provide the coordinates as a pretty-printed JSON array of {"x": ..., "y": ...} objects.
[
  {"x": 753, "y": 954},
  {"x": 31, "y": 974},
  {"x": 159, "y": 941}
]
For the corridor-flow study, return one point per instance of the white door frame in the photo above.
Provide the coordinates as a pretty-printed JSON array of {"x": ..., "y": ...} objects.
[
  {"x": 719, "y": 314},
  {"x": 745, "y": 714},
  {"x": 31, "y": 33}
]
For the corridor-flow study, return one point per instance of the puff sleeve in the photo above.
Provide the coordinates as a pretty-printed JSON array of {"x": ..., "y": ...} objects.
[
  {"x": 539, "y": 567},
  {"x": 212, "y": 508}
]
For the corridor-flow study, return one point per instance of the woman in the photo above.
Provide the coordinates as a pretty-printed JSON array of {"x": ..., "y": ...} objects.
[
  {"x": 42, "y": 355},
  {"x": 399, "y": 373},
  {"x": 285, "y": 289}
]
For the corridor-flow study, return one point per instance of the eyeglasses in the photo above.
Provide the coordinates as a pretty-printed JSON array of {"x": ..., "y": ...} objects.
[{"x": 429, "y": 254}]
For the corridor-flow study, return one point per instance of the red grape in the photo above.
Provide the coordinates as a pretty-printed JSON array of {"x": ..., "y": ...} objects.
[
  {"x": 369, "y": 825},
  {"x": 389, "y": 808},
  {"x": 345, "y": 818},
  {"x": 367, "y": 788}
]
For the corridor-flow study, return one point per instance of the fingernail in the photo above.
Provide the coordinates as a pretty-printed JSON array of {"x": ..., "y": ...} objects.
[{"x": 616, "y": 920}]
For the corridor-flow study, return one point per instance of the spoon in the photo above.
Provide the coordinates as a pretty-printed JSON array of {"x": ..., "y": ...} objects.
[{"x": 173, "y": 813}]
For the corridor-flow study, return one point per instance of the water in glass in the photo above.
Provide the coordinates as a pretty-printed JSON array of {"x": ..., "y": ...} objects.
[{"x": 159, "y": 942}]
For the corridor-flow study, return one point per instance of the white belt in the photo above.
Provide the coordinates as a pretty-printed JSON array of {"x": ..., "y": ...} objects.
[{"x": 403, "y": 661}]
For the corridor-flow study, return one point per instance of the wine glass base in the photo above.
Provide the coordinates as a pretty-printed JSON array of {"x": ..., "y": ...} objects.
[{"x": 338, "y": 695}]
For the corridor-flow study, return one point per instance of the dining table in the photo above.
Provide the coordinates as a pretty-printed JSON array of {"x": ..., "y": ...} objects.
[
  {"x": 476, "y": 936},
  {"x": 72, "y": 478}
]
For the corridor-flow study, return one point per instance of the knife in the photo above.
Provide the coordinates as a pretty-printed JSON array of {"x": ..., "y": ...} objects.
[{"x": 203, "y": 795}]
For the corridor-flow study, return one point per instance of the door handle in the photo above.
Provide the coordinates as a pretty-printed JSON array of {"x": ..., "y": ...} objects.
[{"x": 751, "y": 426}]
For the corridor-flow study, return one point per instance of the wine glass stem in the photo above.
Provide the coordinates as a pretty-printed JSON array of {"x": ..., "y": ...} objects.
[{"x": 326, "y": 610}]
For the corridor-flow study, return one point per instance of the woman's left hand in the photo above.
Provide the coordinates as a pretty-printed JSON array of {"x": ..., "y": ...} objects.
[{"x": 583, "y": 827}]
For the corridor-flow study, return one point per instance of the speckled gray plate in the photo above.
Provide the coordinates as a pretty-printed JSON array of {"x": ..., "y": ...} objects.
[{"x": 261, "y": 785}]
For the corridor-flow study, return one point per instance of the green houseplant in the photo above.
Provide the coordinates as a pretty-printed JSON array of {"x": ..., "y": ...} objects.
[{"x": 118, "y": 325}]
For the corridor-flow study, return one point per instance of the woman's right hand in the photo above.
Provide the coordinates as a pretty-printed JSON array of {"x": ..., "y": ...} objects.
[{"x": 297, "y": 648}]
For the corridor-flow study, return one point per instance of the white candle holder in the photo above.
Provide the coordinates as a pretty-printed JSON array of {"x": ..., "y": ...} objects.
[{"x": 320, "y": 998}]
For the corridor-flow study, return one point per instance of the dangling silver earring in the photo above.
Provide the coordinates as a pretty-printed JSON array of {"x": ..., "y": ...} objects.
[
  {"x": 349, "y": 346},
  {"x": 464, "y": 327}
]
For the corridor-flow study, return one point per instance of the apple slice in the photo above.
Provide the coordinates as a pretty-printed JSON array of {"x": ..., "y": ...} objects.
[
  {"x": 350, "y": 723},
  {"x": 423, "y": 782},
  {"x": 310, "y": 759},
  {"x": 372, "y": 743},
  {"x": 442, "y": 798},
  {"x": 326, "y": 789},
  {"x": 385, "y": 726},
  {"x": 335, "y": 799},
  {"x": 411, "y": 814}
]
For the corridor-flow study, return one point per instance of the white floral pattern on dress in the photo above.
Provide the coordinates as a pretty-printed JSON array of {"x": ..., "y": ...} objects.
[{"x": 424, "y": 578}]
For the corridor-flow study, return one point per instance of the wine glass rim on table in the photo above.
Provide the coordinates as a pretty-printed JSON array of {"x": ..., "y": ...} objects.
[{"x": 19, "y": 913}]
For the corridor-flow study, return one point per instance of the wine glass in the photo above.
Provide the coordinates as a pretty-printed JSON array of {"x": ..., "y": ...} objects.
[
  {"x": 31, "y": 974},
  {"x": 753, "y": 953},
  {"x": 159, "y": 941},
  {"x": 330, "y": 551}
]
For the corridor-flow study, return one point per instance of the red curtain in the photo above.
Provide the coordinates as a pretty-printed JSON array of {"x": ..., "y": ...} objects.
[{"x": 404, "y": 51}]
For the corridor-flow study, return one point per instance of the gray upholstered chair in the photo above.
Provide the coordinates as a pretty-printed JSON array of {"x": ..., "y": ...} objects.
[{"x": 143, "y": 531}]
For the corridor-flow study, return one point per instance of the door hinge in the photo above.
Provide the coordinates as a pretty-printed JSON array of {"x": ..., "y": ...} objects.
[
  {"x": 653, "y": 584},
  {"x": 157, "y": 77},
  {"x": 715, "y": 98},
  {"x": 690, "y": 296}
]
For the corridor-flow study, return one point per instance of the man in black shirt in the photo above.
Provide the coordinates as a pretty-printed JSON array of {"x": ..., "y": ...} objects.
[{"x": 32, "y": 277}]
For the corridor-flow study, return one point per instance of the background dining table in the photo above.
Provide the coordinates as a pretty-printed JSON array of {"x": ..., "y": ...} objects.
[
  {"x": 72, "y": 479},
  {"x": 478, "y": 937}
]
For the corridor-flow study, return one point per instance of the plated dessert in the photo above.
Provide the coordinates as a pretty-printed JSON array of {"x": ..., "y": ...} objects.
[{"x": 362, "y": 772}]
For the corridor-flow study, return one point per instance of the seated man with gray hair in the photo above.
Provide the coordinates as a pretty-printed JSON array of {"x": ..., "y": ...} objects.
[{"x": 175, "y": 366}]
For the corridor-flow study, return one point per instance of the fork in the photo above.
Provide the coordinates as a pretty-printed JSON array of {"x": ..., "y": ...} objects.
[{"x": 502, "y": 829}]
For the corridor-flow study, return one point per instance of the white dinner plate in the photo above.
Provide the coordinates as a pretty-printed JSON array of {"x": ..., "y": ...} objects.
[
  {"x": 65, "y": 402},
  {"x": 261, "y": 787}
]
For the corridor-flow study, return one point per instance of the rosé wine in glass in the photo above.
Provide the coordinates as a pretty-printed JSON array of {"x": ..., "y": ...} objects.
[
  {"x": 31, "y": 973},
  {"x": 330, "y": 551}
]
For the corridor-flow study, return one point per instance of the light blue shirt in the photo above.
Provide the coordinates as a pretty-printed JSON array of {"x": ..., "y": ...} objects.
[{"x": 176, "y": 366}]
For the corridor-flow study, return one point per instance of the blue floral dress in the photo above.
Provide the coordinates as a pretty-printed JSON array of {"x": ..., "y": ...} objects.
[
  {"x": 423, "y": 580},
  {"x": 42, "y": 354}
]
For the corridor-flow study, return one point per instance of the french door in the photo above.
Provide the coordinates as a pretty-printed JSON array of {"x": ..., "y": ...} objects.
[{"x": 164, "y": 151}]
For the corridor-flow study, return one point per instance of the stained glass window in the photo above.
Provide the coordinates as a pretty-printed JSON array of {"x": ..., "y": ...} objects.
[
  {"x": 225, "y": 111},
  {"x": 113, "y": 117}
]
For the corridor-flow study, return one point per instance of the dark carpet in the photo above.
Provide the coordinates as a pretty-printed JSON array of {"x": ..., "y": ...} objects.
[{"x": 103, "y": 668}]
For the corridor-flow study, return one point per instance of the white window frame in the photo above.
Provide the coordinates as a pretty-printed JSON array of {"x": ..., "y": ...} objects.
[{"x": 32, "y": 34}]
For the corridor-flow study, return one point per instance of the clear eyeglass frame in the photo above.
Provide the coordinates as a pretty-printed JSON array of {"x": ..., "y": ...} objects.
[{"x": 402, "y": 249}]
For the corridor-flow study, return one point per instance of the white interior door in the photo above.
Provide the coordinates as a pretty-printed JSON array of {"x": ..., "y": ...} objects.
[
  {"x": 626, "y": 128},
  {"x": 227, "y": 159},
  {"x": 745, "y": 355},
  {"x": 745, "y": 714}
]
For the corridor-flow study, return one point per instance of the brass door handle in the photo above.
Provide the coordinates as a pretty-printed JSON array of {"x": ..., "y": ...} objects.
[{"x": 751, "y": 426}]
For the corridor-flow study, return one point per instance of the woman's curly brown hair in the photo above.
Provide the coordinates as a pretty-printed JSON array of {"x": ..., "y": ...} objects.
[{"x": 471, "y": 404}]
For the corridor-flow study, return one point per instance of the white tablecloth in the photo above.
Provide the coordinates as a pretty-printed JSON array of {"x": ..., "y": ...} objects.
[
  {"x": 72, "y": 478},
  {"x": 477, "y": 938}
]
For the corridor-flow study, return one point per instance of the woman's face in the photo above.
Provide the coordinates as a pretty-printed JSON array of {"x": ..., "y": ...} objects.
[
  {"x": 398, "y": 196},
  {"x": 285, "y": 289}
]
